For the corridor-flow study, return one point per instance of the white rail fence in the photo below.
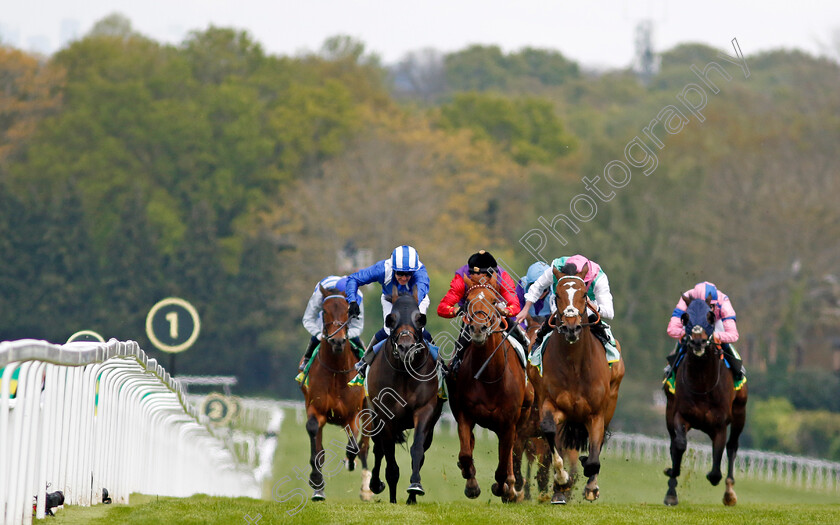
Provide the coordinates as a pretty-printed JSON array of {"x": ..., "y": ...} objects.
[
  {"x": 87, "y": 416},
  {"x": 804, "y": 472}
]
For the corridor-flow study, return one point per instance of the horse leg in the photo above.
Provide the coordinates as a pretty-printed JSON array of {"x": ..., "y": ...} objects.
[
  {"x": 524, "y": 483},
  {"x": 465, "y": 458},
  {"x": 572, "y": 457},
  {"x": 548, "y": 426},
  {"x": 353, "y": 448},
  {"x": 739, "y": 414},
  {"x": 718, "y": 443},
  {"x": 314, "y": 426},
  {"x": 677, "y": 429},
  {"x": 376, "y": 484},
  {"x": 422, "y": 432},
  {"x": 392, "y": 470},
  {"x": 505, "y": 480},
  {"x": 592, "y": 463}
]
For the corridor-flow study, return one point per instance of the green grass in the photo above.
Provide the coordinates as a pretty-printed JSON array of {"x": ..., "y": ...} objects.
[{"x": 631, "y": 492}]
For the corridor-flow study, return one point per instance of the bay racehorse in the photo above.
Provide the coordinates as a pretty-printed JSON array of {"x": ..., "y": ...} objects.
[
  {"x": 530, "y": 443},
  {"x": 579, "y": 390},
  {"x": 402, "y": 386},
  {"x": 489, "y": 388},
  {"x": 328, "y": 399},
  {"x": 704, "y": 398}
]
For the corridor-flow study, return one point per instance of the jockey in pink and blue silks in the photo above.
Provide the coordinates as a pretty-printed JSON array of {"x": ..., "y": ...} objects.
[
  {"x": 725, "y": 329},
  {"x": 598, "y": 291},
  {"x": 402, "y": 270}
]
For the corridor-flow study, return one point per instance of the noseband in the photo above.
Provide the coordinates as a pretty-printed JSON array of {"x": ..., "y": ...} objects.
[
  {"x": 488, "y": 316},
  {"x": 340, "y": 324}
]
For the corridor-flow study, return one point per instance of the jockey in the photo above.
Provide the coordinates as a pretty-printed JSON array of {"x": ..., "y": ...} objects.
[
  {"x": 403, "y": 270},
  {"x": 313, "y": 322},
  {"x": 542, "y": 306},
  {"x": 726, "y": 331},
  {"x": 481, "y": 264},
  {"x": 598, "y": 291}
]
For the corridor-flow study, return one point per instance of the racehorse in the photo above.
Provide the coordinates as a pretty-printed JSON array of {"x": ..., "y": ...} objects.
[
  {"x": 328, "y": 398},
  {"x": 402, "y": 386},
  {"x": 579, "y": 389},
  {"x": 529, "y": 437},
  {"x": 704, "y": 398},
  {"x": 489, "y": 388}
]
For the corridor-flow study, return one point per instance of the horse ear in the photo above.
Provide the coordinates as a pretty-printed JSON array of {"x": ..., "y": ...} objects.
[
  {"x": 687, "y": 300},
  {"x": 494, "y": 281},
  {"x": 415, "y": 293},
  {"x": 395, "y": 293},
  {"x": 391, "y": 321},
  {"x": 323, "y": 290},
  {"x": 557, "y": 273},
  {"x": 709, "y": 300},
  {"x": 710, "y": 316},
  {"x": 419, "y": 320},
  {"x": 583, "y": 271},
  {"x": 468, "y": 282},
  {"x": 684, "y": 318}
]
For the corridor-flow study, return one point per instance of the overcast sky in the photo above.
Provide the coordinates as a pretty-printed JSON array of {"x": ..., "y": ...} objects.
[{"x": 596, "y": 33}]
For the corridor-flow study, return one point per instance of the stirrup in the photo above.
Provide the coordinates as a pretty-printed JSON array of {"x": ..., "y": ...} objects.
[
  {"x": 300, "y": 377},
  {"x": 359, "y": 380}
]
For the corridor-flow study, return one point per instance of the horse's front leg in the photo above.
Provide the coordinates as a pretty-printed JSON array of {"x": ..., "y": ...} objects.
[
  {"x": 738, "y": 418},
  {"x": 520, "y": 484},
  {"x": 592, "y": 463},
  {"x": 314, "y": 426},
  {"x": 359, "y": 447},
  {"x": 465, "y": 457},
  {"x": 376, "y": 483},
  {"x": 505, "y": 480},
  {"x": 677, "y": 428},
  {"x": 718, "y": 444},
  {"x": 548, "y": 426},
  {"x": 422, "y": 429},
  {"x": 392, "y": 470}
]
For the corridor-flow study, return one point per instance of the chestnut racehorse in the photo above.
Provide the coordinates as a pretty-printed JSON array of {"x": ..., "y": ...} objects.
[
  {"x": 704, "y": 398},
  {"x": 328, "y": 398},
  {"x": 529, "y": 437},
  {"x": 579, "y": 390},
  {"x": 489, "y": 388}
]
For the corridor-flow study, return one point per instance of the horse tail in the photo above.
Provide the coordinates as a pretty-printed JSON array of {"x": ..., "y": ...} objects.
[{"x": 574, "y": 436}]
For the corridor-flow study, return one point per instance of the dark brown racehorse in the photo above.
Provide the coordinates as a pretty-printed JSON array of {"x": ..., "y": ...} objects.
[
  {"x": 529, "y": 437},
  {"x": 489, "y": 388},
  {"x": 402, "y": 386},
  {"x": 705, "y": 398},
  {"x": 579, "y": 389},
  {"x": 328, "y": 398}
]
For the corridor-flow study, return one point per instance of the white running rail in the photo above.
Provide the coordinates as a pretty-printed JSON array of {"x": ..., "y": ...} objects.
[{"x": 87, "y": 416}]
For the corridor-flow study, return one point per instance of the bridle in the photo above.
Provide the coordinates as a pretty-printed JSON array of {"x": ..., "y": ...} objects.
[
  {"x": 571, "y": 312},
  {"x": 705, "y": 344},
  {"x": 502, "y": 327},
  {"x": 340, "y": 324}
]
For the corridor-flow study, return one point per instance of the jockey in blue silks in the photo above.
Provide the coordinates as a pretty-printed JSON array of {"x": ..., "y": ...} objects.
[{"x": 403, "y": 270}]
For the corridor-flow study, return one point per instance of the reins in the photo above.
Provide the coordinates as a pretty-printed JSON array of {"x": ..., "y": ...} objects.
[{"x": 503, "y": 326}]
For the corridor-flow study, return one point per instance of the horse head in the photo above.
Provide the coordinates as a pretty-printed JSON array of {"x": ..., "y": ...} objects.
[
  {"x": 482, "y": 315},
  {"x": 699, "y": 323},
  {"x": 406, "y": 324},
  {"x": 334, "y": 306},
  {"x": 570, "y": 296}
]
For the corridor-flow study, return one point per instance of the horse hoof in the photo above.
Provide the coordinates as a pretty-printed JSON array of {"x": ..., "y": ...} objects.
[
  {"x": 416, "y": 489},
  {"x": 377, "y": 486},
  {"x": 591, "y": 494},
  {"x": 472, "y": 492},
  {"x": 496, "y": 490},
  {"x": 412, "y": 499},
  {"x": 558, "y": 499},
  {"x": 319, "y": 495},
  {"x": 714, "y": 479},
  {"x": 366, "y": 495},
  {"x": 671, "y": 501}
]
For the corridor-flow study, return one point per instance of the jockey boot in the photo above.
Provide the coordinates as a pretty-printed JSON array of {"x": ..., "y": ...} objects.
[
  {"x": 670, "y": 359},
  {"x": 365, "y": 361},
  {"x": 542, "y": 332},
  {"x": 313, "y": 342},
  {"x": 463, "y": 342},
  {"x": 734, "y": 361},
  {"x": 600, "y": 332},
  {"x": 519, "y": 334}
]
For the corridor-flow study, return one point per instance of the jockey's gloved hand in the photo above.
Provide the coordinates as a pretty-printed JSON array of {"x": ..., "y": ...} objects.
[{"x": 353, "y": 309}]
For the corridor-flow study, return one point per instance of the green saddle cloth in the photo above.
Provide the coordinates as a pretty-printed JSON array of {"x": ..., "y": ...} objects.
[{"x": 303, "y": 377}]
